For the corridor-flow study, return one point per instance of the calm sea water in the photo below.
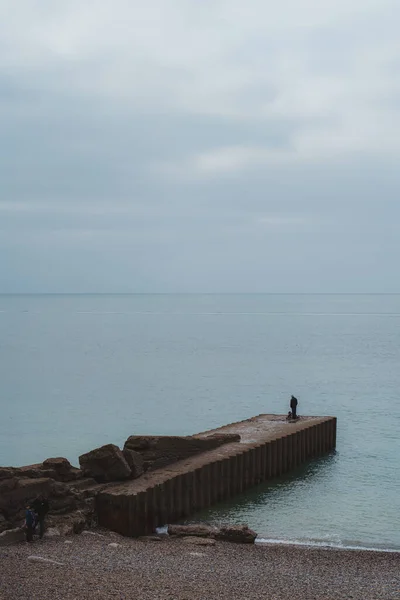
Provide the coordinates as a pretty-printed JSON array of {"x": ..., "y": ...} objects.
[{"x": 80, "y": 371}]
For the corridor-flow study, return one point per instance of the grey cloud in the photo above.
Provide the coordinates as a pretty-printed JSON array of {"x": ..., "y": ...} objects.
[{"x": 220, "y": 147}]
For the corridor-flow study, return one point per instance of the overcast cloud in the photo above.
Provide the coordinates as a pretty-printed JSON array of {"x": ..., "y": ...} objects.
[{"x": 199, "y": 145}]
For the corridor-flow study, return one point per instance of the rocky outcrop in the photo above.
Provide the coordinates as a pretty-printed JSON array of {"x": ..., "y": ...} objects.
[
  {"x": 58, "y": 469},
  {"x": 71, "y": 508},
  {"x": 105, "y": 464},
  {"x": 159, "y": 451},
  {"x": 228, "y": 533},
  {"x": 62, "y": 470},
  {"x": 135, "y": 462}
]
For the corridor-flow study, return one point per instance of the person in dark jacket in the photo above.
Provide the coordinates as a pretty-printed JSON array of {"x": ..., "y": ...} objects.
[
  {"x": 293, "y": 406},
  {"x": 29, "y": 523},
  {"x": 41, "y": 508}
]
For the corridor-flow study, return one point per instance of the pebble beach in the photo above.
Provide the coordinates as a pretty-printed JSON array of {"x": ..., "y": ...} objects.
[{"x": 100, "y": 565}]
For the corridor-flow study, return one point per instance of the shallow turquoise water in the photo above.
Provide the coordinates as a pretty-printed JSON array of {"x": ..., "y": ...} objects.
[{"x": 81, "y": 371}]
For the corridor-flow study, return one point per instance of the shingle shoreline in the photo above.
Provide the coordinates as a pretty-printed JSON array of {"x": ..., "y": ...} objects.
[{"x": 172, "y": 570}]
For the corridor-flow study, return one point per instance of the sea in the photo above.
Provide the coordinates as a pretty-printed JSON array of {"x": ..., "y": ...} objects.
[{"x": 80, "y": 371}]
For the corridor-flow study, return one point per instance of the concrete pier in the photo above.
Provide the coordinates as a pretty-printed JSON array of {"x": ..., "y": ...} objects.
[{"x": 269, "y": 447}]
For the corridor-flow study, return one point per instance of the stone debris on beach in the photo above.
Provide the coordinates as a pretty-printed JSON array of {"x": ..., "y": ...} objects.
[
  {"x": 95, "y": 533},
  {"x": 229, "y": 533},
  {"x": 171, "y": 570},
  {"x": 197, "y": 530},
  {"x": 198, "y": 541}
]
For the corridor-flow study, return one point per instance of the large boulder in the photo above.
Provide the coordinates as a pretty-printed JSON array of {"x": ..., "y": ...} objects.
[
  {"x": 199, "y": 530},
  {"x": 159, "y": 451},
  {"x": 61, "y": 469},
  {"x": 228, "y": 533},
  {"x": 135, "y": 462},
  {"x": 12, "y": 536},
  {"x": 236, "y": 533},
  {"x": 16, "y": 497},
  {"x": 59, "y": 463},
  {"x": 105, "y": 464}
]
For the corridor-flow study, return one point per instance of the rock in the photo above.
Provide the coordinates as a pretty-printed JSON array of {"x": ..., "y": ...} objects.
[
  {"x": 63, "y": 505},
  {"x": 58, "y": 469},
  {"x": 61, "y": 469},
  {"x": 105, "y": 464},
  {"x": 7, "y": 485},
  {"x": 59, "y": 464},
  {"x": 12, "y": 536},
  {"x": 198, "y": 541},
  {"x": 67, "y": 542},
  {"x": 159, "y": 451},
  {"x": 33, "y": 472},
  {"x": 236, "y": 533},
  {"x": 52, "y": 532},
  {"x": 6, "y": 473},
  {"x": 60, "y": 490},
  {"x": 114, "y": 545},
  {"x": 4, "y": 523},
  {"x": 135, "y": 462},
  {"x": 84, "y": 484},
  {"x": 67, "y": 524},
  {"x": 24, "y": 491},
  {"x": 204, "y": 531},
  {"x": 66, "y": 529},
  {"x": 230, "y": 533}
]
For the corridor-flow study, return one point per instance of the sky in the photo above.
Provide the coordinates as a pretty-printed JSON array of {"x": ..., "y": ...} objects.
[{"x": 199, "y": 146}]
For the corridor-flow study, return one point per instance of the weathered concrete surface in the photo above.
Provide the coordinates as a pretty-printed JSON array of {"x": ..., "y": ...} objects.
[
  {"x": 163, "y": 450},
  {"x": 269, "y": 446}
]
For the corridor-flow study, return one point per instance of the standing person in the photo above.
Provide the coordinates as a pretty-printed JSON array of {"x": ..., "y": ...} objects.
[
  {"x": 293, "y": 406},
  {"x": 41, "y": 507},
  {"x": 29, "y": 523}
]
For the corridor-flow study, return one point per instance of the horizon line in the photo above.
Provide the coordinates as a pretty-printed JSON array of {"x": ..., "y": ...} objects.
[{"x": 349, "y": 293}]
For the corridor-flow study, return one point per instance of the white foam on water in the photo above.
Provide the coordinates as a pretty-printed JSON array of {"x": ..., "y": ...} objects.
[{"x": 323, "y": 544}]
